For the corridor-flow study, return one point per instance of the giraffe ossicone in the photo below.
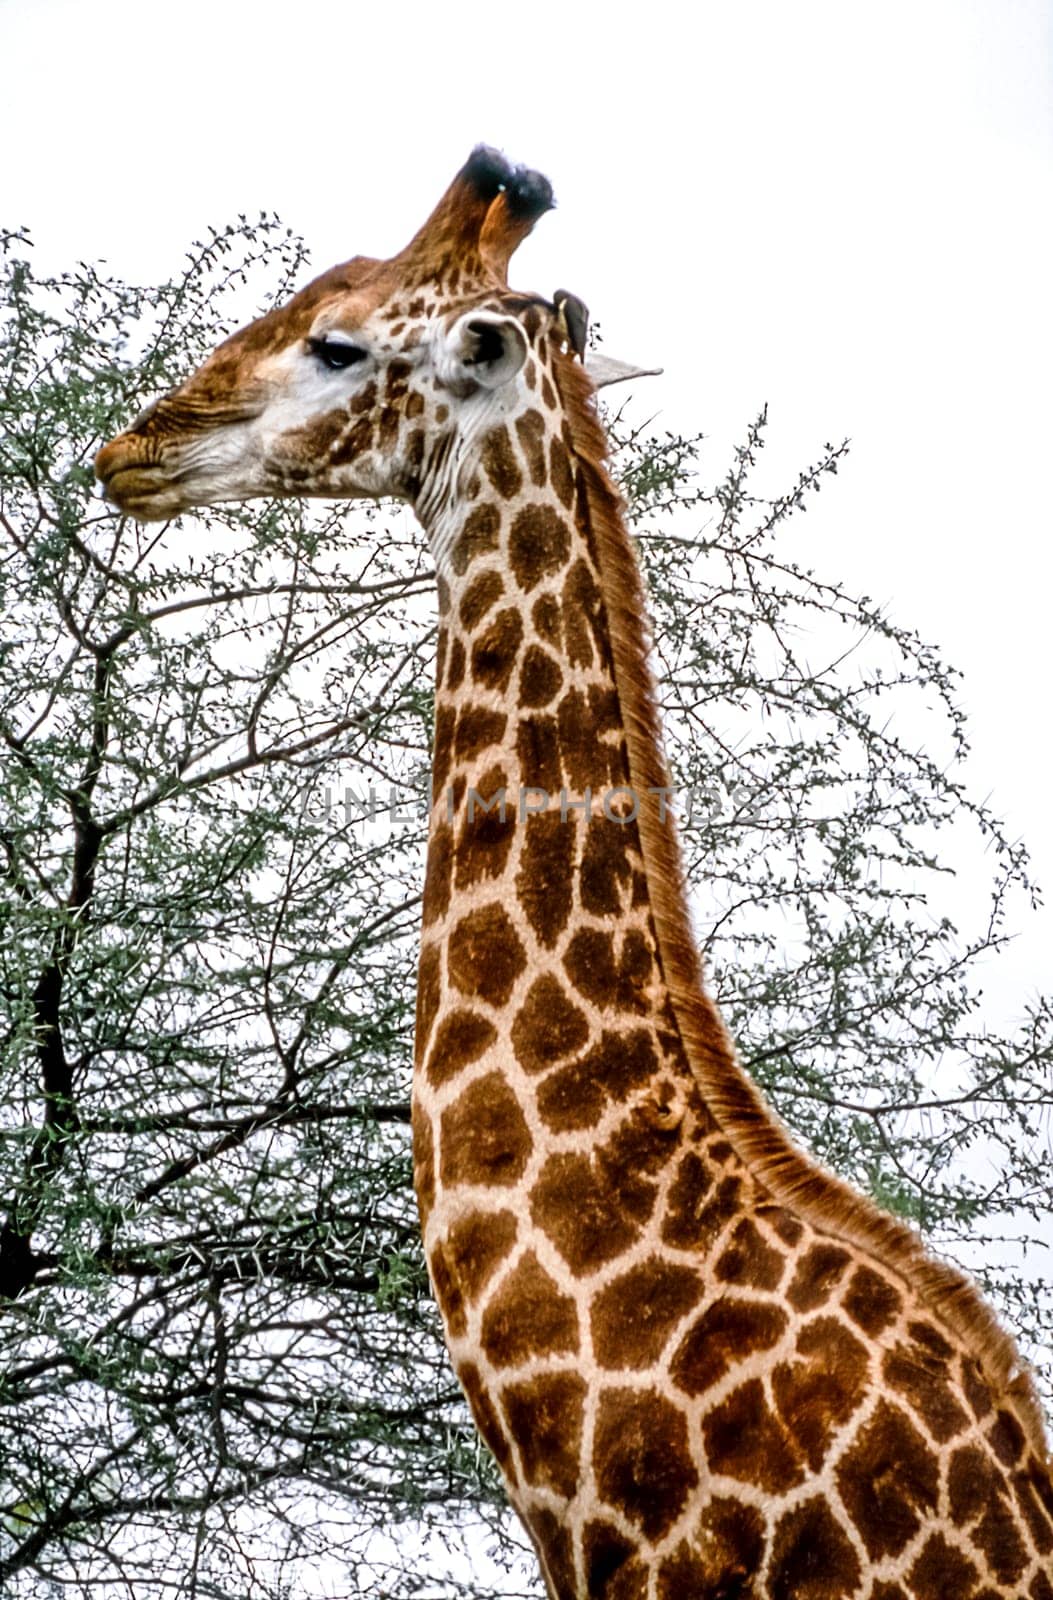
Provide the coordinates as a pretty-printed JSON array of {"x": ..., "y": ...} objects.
[{"x": 706, "y": 1367}]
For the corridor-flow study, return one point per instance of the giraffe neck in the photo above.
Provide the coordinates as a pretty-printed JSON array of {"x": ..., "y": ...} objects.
[
  {"x": 542, "y": 995},
  {"x": 615, "y": 1261},
  {"x": 566, "y": 1165},
  {"x": 761, "y": 1145}
]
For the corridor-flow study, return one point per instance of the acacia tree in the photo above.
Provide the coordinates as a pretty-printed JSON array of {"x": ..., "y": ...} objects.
[{"x": 222, "y": 1372}]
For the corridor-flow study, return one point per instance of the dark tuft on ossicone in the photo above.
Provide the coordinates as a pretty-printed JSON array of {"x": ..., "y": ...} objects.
[
  {"x": 488, "y": 171},
  {"x": 529, "y": 194}
]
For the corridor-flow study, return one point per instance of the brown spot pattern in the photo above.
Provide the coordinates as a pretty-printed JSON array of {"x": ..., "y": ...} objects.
[
  {"x": 544, "y": 881},
  {"x": 486, "y": 1418},
  {"x": 365, "y": 400},
  {"x": 719, "y": 1209},
  {"x": 538, "y": 545},
  {"x": 353, "y": 443},
  {"x": 496, "y": 650},
  {"x": 819, "y": 1271},
  {"x": 728, "y": 1331},
  {"x": 584, "y": 626},
  {"x": 484, "y": 955},
  {"x": 997, "y": 1535},
  {"x": 548, "y": 1026},
  {"x": 484, "y": 1138},
  {"x": 481, "y": 595},
  {"x": 722, "y": 1559},
  {"x": 606, "y": 869},
  {"x": 811, "y": 1557},
  {"x": 540, "y": 678},
  {"x": 871, "y": 1301},
  {"x": 546, "y": 619},
  {"x": 478, "y": 536},
  {"x": 429, "y": 981},
  {"x": 606, "y": 1551},
  {"x": 475, "y": 1247},
  {"x": 888, "y": 1479},
  {"x": 926, "y": 1385},
  {"x": 745, "y": 1440},
  {"x": 499, "y": 462},
  {"x": 423, "y": 1162},
  {"x": 477, "y": 730},
  {"x": 1028, "y": 1487},
  {"x": 1006, "y": 1438},
  {"x": 972, "y": 1479},
  {"x": 458, "y": 661},
  {"x": 442, "y": 749},
  {"x": 942, "y": 1570},
  {"x": 930, "y": 1339},
  {"x": 388, "y": 426},
  {"x": 636, "y": 1149},
  {"x": 537, "y": 746},
  {"x": 749, "y": 1260},
  {"x": 642, "y": 1459},
  {"x": 530, "y": 429},
  {"x": 528, "y": 1316},
  {"x": 461, "y": 1038},
  {"x": 634, "y": 1316},
  {"x": 545, "y": 1417},
  {"x": 976, "y": 1391},
  {"x": 588, "y": 762},
  {"x": 575, "y": 1208},
  {"x": 818, "y": 1391},
  {"x": 575, "y": 1096},
  {"x": 782, "y": 1223},
  {"x": 555, "y": 1547},
  {"x": 436, "y": 898},
  {"x": 680, "y": 1226},
  {"x": 614, "y": 982},
  {"x": 559, "y": 465},
  {"x": 487, "y": 831}
]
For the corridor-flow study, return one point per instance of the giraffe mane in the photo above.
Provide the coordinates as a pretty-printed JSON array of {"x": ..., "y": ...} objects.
[{"x": 748, "y": 1122}]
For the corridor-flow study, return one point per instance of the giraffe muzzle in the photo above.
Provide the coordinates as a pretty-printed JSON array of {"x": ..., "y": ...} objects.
[{"x": 136, "y": 482}]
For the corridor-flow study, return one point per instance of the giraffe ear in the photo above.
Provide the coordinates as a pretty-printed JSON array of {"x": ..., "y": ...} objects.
[
  {"x": 484, "y": 348},
  {"x": 605, "y": 369}
]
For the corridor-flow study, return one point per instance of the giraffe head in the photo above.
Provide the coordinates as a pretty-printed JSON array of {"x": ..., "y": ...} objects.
[{"x": 361, "y": 384}]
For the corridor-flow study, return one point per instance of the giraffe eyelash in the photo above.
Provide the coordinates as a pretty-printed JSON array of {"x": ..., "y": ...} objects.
[{"x": 336, "y": 354}]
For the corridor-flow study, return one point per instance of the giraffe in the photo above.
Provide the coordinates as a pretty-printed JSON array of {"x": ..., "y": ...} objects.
[{"x": 705, "y": 1366}]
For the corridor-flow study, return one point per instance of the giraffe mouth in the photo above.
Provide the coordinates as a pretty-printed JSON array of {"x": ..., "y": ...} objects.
[
  {"x": 143, "y": 491},
  {"x": 148, "y": 490}
]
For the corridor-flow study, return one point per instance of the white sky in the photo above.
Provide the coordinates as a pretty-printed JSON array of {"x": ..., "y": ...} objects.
[{"x": 841, "y": 209}]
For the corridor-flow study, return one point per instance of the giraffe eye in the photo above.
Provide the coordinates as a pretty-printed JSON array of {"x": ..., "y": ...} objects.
[{"x": 336, "y": 353}]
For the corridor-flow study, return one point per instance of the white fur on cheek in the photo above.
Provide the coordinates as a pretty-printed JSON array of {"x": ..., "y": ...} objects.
[
  {"x": 303, "y": 388},
  {"x": 225, "y": 461}
]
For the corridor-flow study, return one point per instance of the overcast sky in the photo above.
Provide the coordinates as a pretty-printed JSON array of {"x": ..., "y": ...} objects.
[{"x": 837, "y": 208}]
